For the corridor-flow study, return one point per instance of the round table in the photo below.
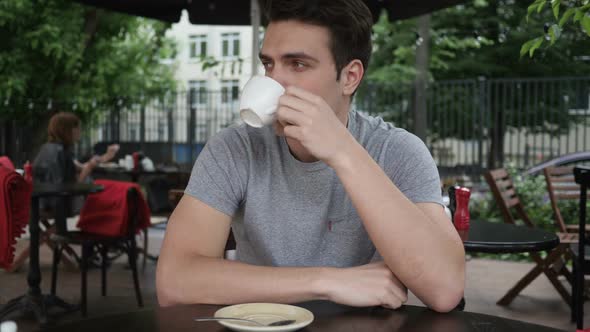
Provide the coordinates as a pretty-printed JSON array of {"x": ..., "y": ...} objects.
[
  {"x": 328, "y": 317},
  {"x": 490, "y": 237}
]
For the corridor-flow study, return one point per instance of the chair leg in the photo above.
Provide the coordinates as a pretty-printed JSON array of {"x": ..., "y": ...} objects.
[
  {"x": 56, "y": 258},
  {"x": 551, "y": 265},
  {"x": 543, "y": 266},
  {"x": 20, "y": 259},
  {"x": 145, "y": 248},
  {"x": 132, "y": 254},
  {"x": 552, "y": 276},
  {"x": 103, "y": 268},
  {"x": 520, "y": 285},
  {"x": 86, "y": 253}
]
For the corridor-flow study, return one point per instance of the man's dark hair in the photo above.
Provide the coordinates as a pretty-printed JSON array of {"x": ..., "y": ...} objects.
[{"x": 349, "y": 23}]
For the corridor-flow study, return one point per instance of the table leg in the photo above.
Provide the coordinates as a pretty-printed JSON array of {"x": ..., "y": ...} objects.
[{"x": 34, "y": 302}]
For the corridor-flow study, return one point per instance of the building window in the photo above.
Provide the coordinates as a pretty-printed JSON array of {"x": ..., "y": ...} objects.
[
  {"x": 197, "y": 93},
  {"x": 230, "y": 45},
  {"x": 230, "y": 91},
  {"x": 198, "y": 46}
]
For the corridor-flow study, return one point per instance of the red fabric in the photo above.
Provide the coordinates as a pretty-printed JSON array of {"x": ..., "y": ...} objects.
[
  {"x": 15, "y": 206},
  {"x": 6, "y": 162},
  {"x": 107, "y": 212}
]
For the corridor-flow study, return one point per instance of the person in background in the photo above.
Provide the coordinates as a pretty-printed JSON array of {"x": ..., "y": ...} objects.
[{"x": 55, "y": 163}]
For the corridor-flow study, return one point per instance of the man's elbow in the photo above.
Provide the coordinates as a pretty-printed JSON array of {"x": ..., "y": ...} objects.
[
  {"x": 168, "y": 290},
  {"x": 447, "y": 300}
]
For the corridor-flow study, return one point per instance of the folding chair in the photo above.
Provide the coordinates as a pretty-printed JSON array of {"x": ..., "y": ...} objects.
[
  {"x": 562, "y": 186},
  {"x": 553, "y": 265}
]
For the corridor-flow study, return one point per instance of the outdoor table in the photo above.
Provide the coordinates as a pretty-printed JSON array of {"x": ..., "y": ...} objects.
[
  {"x": 135, "y": 174},
  {"x": 34, "y": 301},
  {"x": 328, "y": 317},
  {"x": 499, "y": 237}
]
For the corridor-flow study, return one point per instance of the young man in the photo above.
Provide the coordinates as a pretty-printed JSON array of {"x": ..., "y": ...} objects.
[{"x": 315, "y": 198}]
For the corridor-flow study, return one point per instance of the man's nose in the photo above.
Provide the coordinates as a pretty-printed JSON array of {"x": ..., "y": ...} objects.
[{"x": 279, "y": 76}]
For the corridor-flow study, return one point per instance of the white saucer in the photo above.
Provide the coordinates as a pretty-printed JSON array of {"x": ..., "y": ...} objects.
[{"x": 265, "y": 313}]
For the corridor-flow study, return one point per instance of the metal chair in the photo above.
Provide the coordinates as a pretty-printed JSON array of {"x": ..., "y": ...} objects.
[
  {"x": 582, "y": 177},
  {"x": 93, "y": 243}
]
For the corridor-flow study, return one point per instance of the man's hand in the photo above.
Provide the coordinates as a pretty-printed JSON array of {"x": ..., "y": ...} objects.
[
  {"x": 308, "y": 119},
  {"x": 367, "y": 285}
]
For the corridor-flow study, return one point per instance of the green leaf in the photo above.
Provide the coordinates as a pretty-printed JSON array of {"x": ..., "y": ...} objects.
[
  {"x": 534, "y": 6},
  {"x": 578, "y": 16},
  {"x": 586, "y": 24},
  {"x": 554, "y": 33},
  {"x": 541, "y": 6},
  {"x": 538, "y": 42},
  {"x": 566, "y": 16},
  {"x": 526, "y": 47},
  {"x": 555, "y": 4}
]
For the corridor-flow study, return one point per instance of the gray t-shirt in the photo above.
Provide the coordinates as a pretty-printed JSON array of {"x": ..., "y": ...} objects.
[{"x": 289, "y": 213}]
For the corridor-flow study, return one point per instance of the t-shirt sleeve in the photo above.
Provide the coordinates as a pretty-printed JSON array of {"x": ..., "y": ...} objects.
[
  {"x": 411, "y": 167},
  {"x": 219, "y": 175}
]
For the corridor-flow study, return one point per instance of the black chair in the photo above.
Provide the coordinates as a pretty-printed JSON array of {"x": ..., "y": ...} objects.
[
  {"x": 93, "y": 245},
  {"x": 582, "y": 177}
]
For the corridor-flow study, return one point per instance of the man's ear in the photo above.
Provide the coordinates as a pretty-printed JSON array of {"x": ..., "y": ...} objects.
[{"x": 351, "y": 76}]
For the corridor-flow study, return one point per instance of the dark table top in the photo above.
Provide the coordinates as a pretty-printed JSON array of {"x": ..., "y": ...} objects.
[
  {"x": 65, "y": 189},
  {"x": 328, "y": 317},
  {"x": 121, "y": 170},
  {"x": 491, "y": 237}
]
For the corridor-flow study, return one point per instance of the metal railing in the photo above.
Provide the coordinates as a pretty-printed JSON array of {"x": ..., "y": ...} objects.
[{"x": 472, "y": 124}]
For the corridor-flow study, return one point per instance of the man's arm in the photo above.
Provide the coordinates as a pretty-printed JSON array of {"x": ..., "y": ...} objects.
[
  {"x": 191, "y": 269},
  {"x": 416, "y": 241}
]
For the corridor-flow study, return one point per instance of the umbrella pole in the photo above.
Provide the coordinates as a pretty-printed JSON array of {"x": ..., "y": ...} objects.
[{"x": 255, "y": 20}]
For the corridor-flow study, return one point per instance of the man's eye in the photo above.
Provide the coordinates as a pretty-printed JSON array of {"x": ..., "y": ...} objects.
[{"x": 299, "y": 64}]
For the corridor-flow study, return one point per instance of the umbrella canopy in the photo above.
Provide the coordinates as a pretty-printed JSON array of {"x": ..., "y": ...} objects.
[{"x": 237, "y": 12}]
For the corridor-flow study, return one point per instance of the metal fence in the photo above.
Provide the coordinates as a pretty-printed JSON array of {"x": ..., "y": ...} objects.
[
  {"x": 472, "y": 124},
  {"x": 477, "y": 123}
]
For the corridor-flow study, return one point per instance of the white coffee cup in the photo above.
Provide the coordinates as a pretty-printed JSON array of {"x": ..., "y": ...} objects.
[{"x": 259, "y": 100}]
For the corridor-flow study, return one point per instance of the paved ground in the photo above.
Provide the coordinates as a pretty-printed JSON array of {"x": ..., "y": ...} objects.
[{"x": 487, "y": 281}]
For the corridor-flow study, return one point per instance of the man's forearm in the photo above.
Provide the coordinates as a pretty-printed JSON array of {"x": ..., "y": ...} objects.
[
  {"x": 427, "y": 259},
  {"x": 217, "y": 281}
]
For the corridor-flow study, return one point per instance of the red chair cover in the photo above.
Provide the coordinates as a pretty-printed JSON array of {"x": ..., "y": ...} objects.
[
  {"x": 6, "y": 162},
  {"x": 107, "y": 212},
  {"x": 15, "y": 205}
]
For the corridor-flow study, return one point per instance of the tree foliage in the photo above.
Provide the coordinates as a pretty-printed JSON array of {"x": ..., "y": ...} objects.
[
  {"x": 576, "y": 12},
  {"x": 479, "y": 38},
  {"x": 60, "y": 55}
]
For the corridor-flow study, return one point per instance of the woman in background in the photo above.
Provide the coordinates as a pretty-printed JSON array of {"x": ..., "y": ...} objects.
[{"x": 55, "y": 163}]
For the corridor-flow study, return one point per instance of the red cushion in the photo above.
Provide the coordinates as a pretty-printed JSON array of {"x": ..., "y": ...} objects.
[
  {"x": 6, "y": 162},
  {"x": 107, "y": 212},
  {"x": 15, "y": 205}
]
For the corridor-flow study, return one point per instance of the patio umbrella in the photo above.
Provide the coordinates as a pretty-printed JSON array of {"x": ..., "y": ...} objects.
[{"x": 237, "y": 12}]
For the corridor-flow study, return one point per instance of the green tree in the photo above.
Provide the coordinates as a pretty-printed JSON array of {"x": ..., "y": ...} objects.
[
  {"x": 60, "y": 55},
  {"x": 481, "y": 38},
  {"x": 564, "y": 12}
]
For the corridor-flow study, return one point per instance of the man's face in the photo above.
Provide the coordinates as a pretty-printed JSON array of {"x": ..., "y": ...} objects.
[{"x": 295, "y": 53}]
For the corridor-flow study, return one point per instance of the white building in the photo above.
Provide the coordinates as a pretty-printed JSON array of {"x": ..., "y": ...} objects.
[{"x": 212, "y": 92}]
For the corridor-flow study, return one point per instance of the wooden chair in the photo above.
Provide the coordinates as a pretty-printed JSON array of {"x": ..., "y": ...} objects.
[
  {"x": 562, "y": 186},
  {"x": 553, "y": 265}
]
